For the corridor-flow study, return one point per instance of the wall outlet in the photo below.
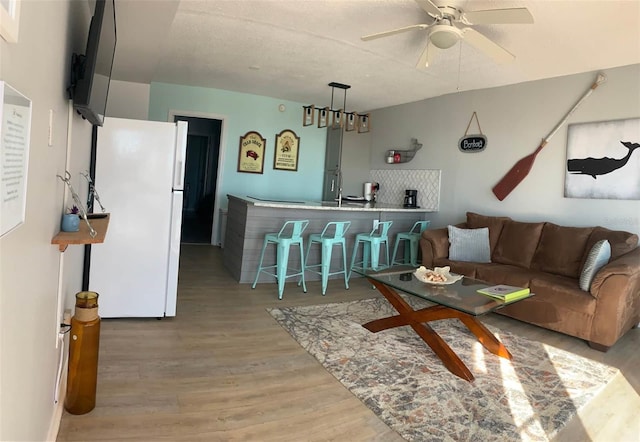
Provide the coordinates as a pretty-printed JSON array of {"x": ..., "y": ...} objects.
[{"x": 375, "y": 223}]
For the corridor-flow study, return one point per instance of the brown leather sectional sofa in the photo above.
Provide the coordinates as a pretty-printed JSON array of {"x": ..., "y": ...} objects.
[{"x": 548, "y": 259}]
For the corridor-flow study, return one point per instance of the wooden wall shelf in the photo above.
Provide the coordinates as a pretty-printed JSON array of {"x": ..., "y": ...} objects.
[{"x": 100, "y": 225}]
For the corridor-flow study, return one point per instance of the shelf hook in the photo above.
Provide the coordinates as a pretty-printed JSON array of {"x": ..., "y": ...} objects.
[
  {"x": 93, "y": 192},
  {"x": 76, "y": 200}
]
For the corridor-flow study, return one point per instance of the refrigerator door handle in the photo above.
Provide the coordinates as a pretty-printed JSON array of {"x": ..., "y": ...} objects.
[
  {"x": 179, "y": 177},
  {"x": 174, "y": 254},
  {"x": 181, "y": 152}
]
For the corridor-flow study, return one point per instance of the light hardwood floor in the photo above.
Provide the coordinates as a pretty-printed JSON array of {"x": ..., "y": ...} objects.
[{"x": 224, "y": 370}]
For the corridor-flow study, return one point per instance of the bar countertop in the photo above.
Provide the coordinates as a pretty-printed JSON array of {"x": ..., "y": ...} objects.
[
  {"x": 250, "y": 218},
  {"x": 327, "y": 205}
]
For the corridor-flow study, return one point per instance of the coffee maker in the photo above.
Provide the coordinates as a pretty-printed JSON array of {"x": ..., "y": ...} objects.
[{"x": 410, "y": 198}]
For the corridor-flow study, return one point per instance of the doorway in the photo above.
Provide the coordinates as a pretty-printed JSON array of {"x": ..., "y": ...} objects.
[{"x": 200, "y": 177}]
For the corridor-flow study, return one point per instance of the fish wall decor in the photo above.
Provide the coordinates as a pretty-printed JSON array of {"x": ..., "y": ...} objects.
[
  {"x": 601, "y": 160},
  {"x": 600, "y": 166}
]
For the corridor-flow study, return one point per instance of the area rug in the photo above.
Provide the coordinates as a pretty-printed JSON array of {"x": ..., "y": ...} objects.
[{"x": 395, "y": 374}]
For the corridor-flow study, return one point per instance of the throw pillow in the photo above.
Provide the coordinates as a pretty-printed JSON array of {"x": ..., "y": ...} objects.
[
  {"x": 471, "y": 245},
  {"x": 598, "y": 256}
]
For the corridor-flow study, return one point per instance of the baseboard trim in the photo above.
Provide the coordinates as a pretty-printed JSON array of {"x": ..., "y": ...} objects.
[{"x": 56, "y": 418}]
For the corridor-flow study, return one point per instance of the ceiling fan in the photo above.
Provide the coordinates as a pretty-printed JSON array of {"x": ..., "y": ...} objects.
[{"x": 445, "y": 31}]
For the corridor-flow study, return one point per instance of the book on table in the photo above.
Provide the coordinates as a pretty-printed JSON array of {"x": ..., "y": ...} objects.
[{"x": 505, "y": 292}]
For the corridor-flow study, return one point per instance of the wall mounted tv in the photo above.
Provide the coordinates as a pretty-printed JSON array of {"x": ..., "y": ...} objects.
[{"x": 91, "y": 71}]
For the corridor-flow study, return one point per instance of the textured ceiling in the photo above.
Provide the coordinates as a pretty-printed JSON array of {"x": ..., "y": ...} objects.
[{"x": 291, "y": 49}]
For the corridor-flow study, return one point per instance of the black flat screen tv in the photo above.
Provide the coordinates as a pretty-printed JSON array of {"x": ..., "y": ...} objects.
[{"x": 91, "y": 71}]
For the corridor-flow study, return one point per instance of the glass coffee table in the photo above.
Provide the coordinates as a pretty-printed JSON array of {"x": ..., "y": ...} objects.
[{"x": 458, "y": 300}]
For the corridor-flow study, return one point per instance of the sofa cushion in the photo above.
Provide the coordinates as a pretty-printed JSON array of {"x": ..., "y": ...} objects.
[
  {"x": 598, "y": 256},
  {"x": 494, "y": 223},
  {"x": 564, "y": 291},
  {"x": 558, "y": 304},
  {"x": 507, "y": 274},
  {"x": 471, "y": 245},
  {"x": 561, "y": 249},
  {"x": 621, "y": 242},
  {"x": 517, "y": 243},
  {"x": 467, "y": 269},
  {"x": 439, "y": 241}
]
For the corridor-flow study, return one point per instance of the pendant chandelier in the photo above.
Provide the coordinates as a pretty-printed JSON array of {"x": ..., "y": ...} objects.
[{"x": 336, "y": 118}]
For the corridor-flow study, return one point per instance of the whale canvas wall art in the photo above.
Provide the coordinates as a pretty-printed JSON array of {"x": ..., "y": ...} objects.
[{"x": 603, "y": 160}]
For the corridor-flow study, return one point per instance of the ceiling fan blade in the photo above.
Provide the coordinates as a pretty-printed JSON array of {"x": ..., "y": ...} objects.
[
  {"x": 497, "y": 17},
  {"x": 393, "y": 32},
  {"x": 429, "y": 8},
  {"x": 428, "y": 55},
  {"x": 489, "y": 47}
]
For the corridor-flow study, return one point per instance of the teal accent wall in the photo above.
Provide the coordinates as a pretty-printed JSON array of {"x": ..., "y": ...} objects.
[{"x": 243, "y": 113}]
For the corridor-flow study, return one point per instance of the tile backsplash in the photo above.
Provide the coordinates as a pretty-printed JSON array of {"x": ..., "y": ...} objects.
[{"x": 393, "y": 183}]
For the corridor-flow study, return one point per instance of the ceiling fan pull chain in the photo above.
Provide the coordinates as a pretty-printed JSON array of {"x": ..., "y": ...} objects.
[{"x": 474, "y": 115}]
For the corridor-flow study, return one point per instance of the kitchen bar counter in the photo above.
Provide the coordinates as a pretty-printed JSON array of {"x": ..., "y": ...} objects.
[
  {"x": 250, "y": 218},
  {"x": 328, "y": 205}
]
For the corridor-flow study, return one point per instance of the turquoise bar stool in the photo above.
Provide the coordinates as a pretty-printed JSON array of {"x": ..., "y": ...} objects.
[
  {"x": 332, "y": 235},
  {"x": 290, "y": 234},
  {"x": 371, "y": 246},
  {"x": 410, "y": 249}
]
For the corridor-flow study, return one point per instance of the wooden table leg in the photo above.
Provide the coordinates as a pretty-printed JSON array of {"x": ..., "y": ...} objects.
[
  {"x": 417, "y": 319},
  {"x": 407, "y": 317},
  {"x": 448, "y": 357},
  {"x": 484, "y": 335}
]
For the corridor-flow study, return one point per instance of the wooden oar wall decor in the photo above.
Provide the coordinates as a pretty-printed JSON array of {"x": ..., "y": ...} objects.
[{"x": 521, "y": 169}]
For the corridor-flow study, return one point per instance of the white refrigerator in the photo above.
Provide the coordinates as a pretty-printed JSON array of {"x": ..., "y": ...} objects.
[{"x": 139, "y": 176}]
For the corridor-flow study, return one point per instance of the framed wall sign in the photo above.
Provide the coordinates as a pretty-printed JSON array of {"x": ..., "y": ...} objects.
[
  {"x": 251, "y": 154},
  {"x": 15, "y": 118},
  {"x": 472, "y": 142},
  {"x": 287, "y": 150}
]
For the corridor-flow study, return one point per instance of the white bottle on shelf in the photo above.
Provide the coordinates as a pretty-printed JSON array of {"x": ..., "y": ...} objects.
[{"x": 390, "y": 154}]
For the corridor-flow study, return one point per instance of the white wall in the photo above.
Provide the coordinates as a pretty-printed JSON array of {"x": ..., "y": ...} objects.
[
  {"x": 128, "y": 100},
  {"x": 515, "y": 119},
  {"x": 33, "y": 273}
]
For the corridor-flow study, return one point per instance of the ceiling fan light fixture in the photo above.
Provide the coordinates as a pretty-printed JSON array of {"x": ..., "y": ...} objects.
[{"x": 444, "y": 36}]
